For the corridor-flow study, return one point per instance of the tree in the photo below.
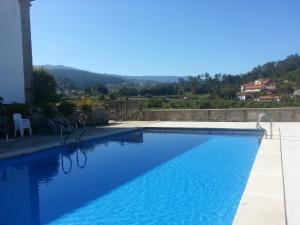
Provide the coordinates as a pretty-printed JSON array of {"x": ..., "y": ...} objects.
[
  {"x": 285, "y": 89},
  {"x": 89, "y": 91},
  {"x": 101, "y": 89},
  {"x": 67, "y": 108},
  {"x": 96, "y": 89},
  {"x": 44, "y": 87},
  {"x": 128, "y": 91},
  {"x": 112, "y": 96}
]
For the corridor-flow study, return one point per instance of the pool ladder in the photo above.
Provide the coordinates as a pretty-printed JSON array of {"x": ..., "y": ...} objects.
[
  {"x": 78, "y": 135},
  {"x": 258, "y": 126}
]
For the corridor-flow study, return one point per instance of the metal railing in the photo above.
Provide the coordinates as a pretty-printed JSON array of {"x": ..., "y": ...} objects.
[
  {"x": 78, "y": 135},
  {"x": 258, "y": 126},
  {"x": 64, "y": 136}
]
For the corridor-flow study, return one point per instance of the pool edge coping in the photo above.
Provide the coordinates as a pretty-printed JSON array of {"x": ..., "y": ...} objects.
[{"x": 240, "y": 220}]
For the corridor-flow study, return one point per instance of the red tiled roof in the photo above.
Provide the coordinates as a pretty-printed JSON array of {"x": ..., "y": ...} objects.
[
  {"x": 268, "y": 97},
  {"x": 266, "y": 81},
  {"x": 263, "y": 82},
  {"x": 257, "y": 86}
]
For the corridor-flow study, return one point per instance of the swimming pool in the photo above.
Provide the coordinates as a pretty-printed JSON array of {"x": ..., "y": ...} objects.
[{"x": 146, "y": 176}]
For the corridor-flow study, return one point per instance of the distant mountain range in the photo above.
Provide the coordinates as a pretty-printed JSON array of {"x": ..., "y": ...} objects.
[
  {"x": 83, "y": 79},
  {"x": 286, "y": 69}
]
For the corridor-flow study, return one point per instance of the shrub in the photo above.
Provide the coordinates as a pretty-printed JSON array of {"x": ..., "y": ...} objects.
[
  {"x": 86, "y": 108},
  {"x": 148, "y": 95},
  {"x": 86, "y": 101},
  {"x": 49, "y": 110},
  {"x": 204, "y": 104},
  {"x": 67, "y": 108},
  {"x": 112, "y": 96},
  {"x": 24, "y": 109},
  {"x": 102, "y": 97},
  {"x": 154, "y": 103},
  {"x": 44, "y": 87}
]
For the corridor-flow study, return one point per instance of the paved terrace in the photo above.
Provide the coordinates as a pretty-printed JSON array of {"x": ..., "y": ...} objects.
[
  {"x": 266, "y": 201},
  {"x": 27, "y": 145}
]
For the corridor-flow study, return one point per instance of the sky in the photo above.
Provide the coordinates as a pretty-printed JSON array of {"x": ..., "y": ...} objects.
[{"x": 164, "y": 37}]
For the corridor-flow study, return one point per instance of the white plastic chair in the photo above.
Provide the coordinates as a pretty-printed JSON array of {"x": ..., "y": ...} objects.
[{"x": 21, "y": 124}]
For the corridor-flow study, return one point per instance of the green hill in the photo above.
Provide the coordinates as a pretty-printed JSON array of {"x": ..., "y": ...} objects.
[
  {"x": 287, "y": 69},
  {"x": 83, "y": 79}
]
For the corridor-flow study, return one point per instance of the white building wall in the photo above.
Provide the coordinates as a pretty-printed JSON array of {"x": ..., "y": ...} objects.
[
  {"x": 254, "y": 90},
  {"x": 11, "y": 53}
]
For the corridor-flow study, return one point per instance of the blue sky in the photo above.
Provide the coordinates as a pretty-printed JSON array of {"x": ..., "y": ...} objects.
[{"x": 164, "y": 37}]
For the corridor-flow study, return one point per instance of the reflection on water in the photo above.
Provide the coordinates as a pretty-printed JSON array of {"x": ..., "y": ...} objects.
[
  {"x": 66, "y": 159},
  {"x": 22, "y": 179},
  {"x": 40, "y": 188}
]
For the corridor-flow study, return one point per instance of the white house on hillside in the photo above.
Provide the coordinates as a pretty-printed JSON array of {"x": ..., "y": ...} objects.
[{"x": 15, "y": 51}]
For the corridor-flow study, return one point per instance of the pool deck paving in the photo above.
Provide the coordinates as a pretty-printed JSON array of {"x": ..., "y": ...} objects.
[
  {"x": 272, "y": 195},
  {"x": 27, "y": 145}
]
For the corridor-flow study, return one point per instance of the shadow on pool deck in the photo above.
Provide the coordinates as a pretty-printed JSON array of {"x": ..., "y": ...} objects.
[{"x": 114, "y": 168}]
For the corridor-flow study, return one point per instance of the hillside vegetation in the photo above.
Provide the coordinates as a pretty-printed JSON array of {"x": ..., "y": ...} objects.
[
  {"x": 201, "y": 91},
  {"x": 287, "y": 69},
  {"x": 81, "y": 79},
  {"x": 285, "y": 73}
]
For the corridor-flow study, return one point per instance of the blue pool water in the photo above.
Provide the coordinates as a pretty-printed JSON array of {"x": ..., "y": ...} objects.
[{"x": 141, "y": 177}]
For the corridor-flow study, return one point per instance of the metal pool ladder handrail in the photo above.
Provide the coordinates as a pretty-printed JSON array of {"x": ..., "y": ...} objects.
[
  {"x": 64, "y": 130},
  {"x": 63, "y": 138},
  {"x": 258, "y": 126},
  {"x": 78, "y": 135}
]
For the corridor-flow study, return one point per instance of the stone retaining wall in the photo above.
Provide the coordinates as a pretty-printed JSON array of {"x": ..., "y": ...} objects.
[
  {"x": 122, "y": 110},
  {"x": 218, "y": 115},
  {"x": 97, "y": 116}
]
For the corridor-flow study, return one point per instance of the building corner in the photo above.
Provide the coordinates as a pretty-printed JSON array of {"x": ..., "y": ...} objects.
[{"x": 27, "y": 49}]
